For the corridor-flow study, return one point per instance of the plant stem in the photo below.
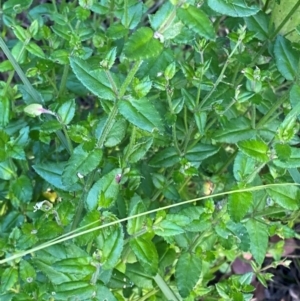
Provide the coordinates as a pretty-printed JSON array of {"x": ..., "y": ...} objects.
[
  {"x": 80, "y": 206},
  {"x": 63, "y": 80},
  {"x": 166, "y": 290}
]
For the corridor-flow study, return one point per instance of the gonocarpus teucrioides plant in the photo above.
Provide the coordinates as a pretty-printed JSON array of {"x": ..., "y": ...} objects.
[{"x": 145, "y": 146}]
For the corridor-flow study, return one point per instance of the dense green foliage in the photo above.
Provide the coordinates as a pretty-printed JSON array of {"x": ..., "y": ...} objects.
[{"x": 144, "y": 146}]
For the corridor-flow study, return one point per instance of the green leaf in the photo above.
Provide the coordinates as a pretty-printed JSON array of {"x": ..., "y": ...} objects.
[
  {"x": 27, "y": 271},
  {"x": 233, "y": 8},
  {"x": 259, "y": 24},
  {"x": 104, "y": 292},
  {"x": 12, "y": 7},
  {"x": 243, "y": 167},
  {"x": 258, "y": 232},
  {"x": 167, "y": 228},
  {"x": 94, "y": 80},
  {"x": 138, "y": 276},
  {"x": 9, "y": 278},
  {"x": 7, "y": 170},
  {"x": 52, "y": 173},
  {"x": 112, "y": 248},
  {"x": 117, "y": 133},
  {"x": 78, "y": 290},
  {"x": 285, "y": 196},
  {"x": 165, "y": 158},
  {"x": 146, "y": 253},
  {"x": 279, "y": 11},
  {"x": 35, "y": 50},
  {"x": 187, "y": 273},
  {"x": 5, "y": 111},
  {"x": 139, "y": 150},
  {"x": 239, "y": 204},
  {"x": 283, "y": 152},
  {"x": 92, "y": 218},
  {"x": 141, "y": 113},
  {"x": 21, "y": 189},
  {"x": 109, "y": 59},
  {"x": 142, "y": 45},
  {"x": 133, "y": 15},
  {"x": 256, "y": 149},
  {"x": 197, "y": 21},
  {"x": 286, "y": 58},
  {"x": 48, "y": 270},
  {"x": 67, "y": 111},
  {"x": 164, "y": 12},
  {"x": 104, "y": 192},
  {"x": 80, "y": 164},
  {"x": 295, "y": 95},
  {"x": 293, "y": 161},
  {"x": 200, "y": 152},
  {"x": 235, "y": 130},
  {"x": 136, "y": 224}
]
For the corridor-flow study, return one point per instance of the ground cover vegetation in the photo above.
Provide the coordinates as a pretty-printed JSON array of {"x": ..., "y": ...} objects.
[{"x": 145, "y": 145}]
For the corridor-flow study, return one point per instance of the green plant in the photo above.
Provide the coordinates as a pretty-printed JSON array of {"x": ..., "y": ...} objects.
[{"x": 145, "y": 147}]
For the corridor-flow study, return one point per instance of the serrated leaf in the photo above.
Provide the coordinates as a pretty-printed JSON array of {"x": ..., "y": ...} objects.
[
  {"x": 141, "y": 113},
  {"x": 9, "y": 278},
  {"x": 142, "y": 45},
  {"x": 285, "y": 196},
  {"x": 256, "y": 149},
  {"x": 165, "y": 158},
  {"x": 258, "y": 232},
  {"x": 197, "y": 21},
  {"x": 161, "y": 15},
  {"x": 259, "y": 24},
  {"x": 35, "y": 50},
  {"x": 112, "y": 248},
  {"x": 104, "y": 292},
  {"x": 135, "y": 224},
  {"x": 104, "y": 192},
  {"x": 146, "y": 252},
  {"x": 200, "y": 152},
  {"x": 52, "y": 173},
  {"x": 239, "y": 204},
  {"x": 187, "y": 272},
  {"x": 117, "y": 133},
  {"x": 167, "y": 228},
  {"x": 48, "y": 270},
  {"x": 235, "y": 130},
  {"x": 21, "y": 189},
  {"x": 292, "y": 162},
  {"x": 7, "y": 170},
  {"x": 286, "y": 58},
  {"x": 243, "y": 166},
  {"x": 78, "y": 267},
  {"x": 67, "y": 111},
  {"x": 27, "y": 271},
  {"x": 94, "y": 80},
  {"x": 139, "y": 150},
  {"x": 79, "y": 290},
  {"x": 80, "y": 164},
  {"x": 233, "y": 8}
]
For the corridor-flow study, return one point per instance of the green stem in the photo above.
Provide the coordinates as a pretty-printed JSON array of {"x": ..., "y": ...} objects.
[
  {"x": 80, "y": 206},
  {"x": 220, "y": 77},
  {"x": 108, "y": 125},
  {"x": 129, "y": 78},
  {"x": 277, "y": 104},
  {"x": 166, "y": 290},
  {"x": 285, "y": 20},
  {"x": 32, "y": 92},
  {"x": 63, "y": 80}
]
